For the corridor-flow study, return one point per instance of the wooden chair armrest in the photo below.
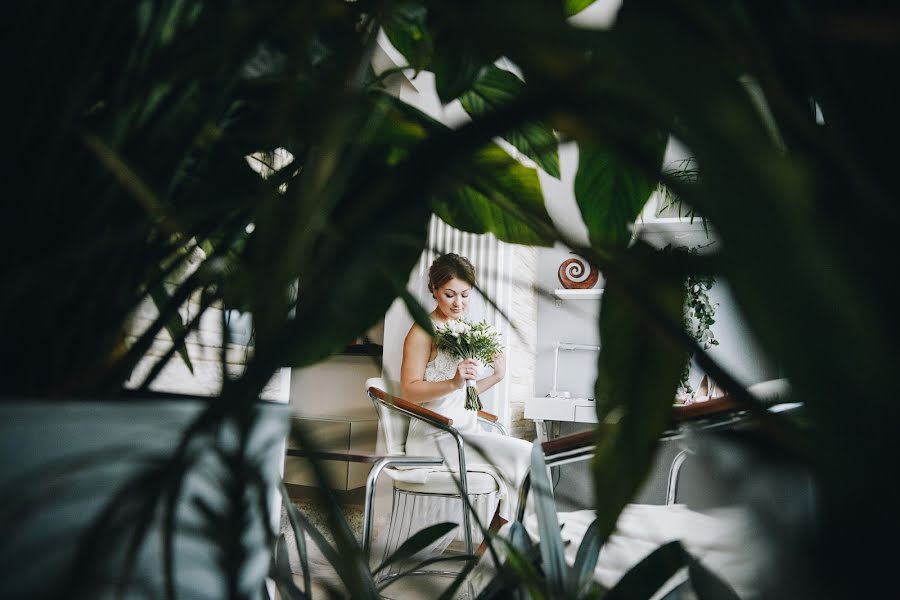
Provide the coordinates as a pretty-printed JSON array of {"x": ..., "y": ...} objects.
[
  {"x": 356, "y": 457},
  {"x": 488, "y": 416},
  {"x": 568, "y": 442},
  {"x": 700, "y": 410},
  {"x": 417, "y": 409},
  {"x": 722, "y": 405}
]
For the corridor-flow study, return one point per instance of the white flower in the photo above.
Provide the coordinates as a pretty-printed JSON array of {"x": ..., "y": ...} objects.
[{"x": 456, "y": 327}]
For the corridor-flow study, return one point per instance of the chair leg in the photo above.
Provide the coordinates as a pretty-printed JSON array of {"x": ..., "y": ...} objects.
[
  {"x": 674, "y": 472},
  {"x": 496, "y": 523},
  {"x": 395, "y": 525}
]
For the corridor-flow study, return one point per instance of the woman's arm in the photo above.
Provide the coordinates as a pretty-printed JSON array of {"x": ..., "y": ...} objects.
[
  {"x": 416, "y": 350},
  {"x": 499, "y": 366}
]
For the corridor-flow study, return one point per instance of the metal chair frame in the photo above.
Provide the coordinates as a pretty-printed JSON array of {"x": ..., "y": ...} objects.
[
  {"x": 719, "y": 413},
  {"x": 414, "y": 411}
]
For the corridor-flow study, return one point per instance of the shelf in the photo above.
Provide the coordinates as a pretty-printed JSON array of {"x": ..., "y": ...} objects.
[
  {"x": 670, "y": 225},
  {"x": 658, "y": 217},
  {"x": 591, "y": 294},
  {"x": 362, "y": 350}
]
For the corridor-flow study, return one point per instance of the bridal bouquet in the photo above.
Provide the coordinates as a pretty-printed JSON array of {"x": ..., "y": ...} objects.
[{"x": 463, "y": 339}]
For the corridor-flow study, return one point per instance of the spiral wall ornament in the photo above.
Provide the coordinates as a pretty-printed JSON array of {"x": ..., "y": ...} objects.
[{"x": 578, "y": 274}]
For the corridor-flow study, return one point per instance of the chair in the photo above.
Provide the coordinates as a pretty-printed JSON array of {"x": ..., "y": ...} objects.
[
  {"x": 433, "y": 478},
  {"x": 700, "y": 532},
  {"x": 719, "y": 413}
]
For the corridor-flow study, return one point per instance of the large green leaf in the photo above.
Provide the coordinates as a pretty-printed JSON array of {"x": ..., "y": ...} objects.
[
  {"x": 416, "y": 543},
  {"x": 638, "y": 372},
  {"x": 455, "y": 67},
  {"x": 281, "y": 570},
  {"x": 611, "y": 192},
  {"x": 573, "y": 7},
  {"x": 493, "y": 193},
  {"x": 174, "y": 326},
  {"x": 553, "y": 556},
  {"x": 350, "y": 290},
  {"x": 642, "y": 581},
  {"x": 457, "y": 59},
  {"x": 406, "y": 28},
  {"x": 485, "y": 191},
  {"x": 709, "y": 586},
  {"x": 493, "y": 89},
  {"x": 586, "y": 558}
]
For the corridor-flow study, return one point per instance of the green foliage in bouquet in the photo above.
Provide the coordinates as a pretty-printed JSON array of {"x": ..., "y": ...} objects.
[{"x": 463, "y": 340}]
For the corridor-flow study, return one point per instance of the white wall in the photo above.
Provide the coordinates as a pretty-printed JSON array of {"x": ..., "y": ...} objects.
[
  {"x": 577, "y": 320},
  {"x": 506, "y": 273},
  {"x": 737, "y": 351},
  {"x": 572, "y": 321}
]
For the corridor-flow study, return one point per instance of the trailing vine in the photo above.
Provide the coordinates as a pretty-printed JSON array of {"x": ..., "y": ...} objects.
[{"x": 699, "y": 316}]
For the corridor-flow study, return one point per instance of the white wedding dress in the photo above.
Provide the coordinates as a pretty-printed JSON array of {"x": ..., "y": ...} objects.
[{"x": 507, "y": 459}]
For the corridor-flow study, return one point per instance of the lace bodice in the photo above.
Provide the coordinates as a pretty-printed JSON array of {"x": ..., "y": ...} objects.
[
  {"x": 452, "y": 406},
  {"x": 442, "y": 368}
]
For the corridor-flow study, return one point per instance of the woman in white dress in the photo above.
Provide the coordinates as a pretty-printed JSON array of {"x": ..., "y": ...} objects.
[{"x": 437, "y": 380}]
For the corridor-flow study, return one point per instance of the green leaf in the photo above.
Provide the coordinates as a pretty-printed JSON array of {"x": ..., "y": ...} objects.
[
  {"x": 638, "y": 373},
  {"x": 709, "y": 586},
  {"x": 469, "y": 559},
  {"x": 611, "y": 192},
  {"x": 299, "y": 536},
  {"x": 573, "y": 7},
  {"x": 406, "y": 28},
  {"x": 518, "y": 537},
  {"x": 497, "y": 87},
  {"x": 417, "y": 311},
  {"x": 519, "y": 572},
  {"x": 552, "y": 552},
  {"x": 300, "y": 525},
  {"x": 417, "y": 542},
  {"x": 283, "y": 575},
  {"x": 174, "y": 326},
  {"x": 586, "y": 558},
  {"x": 451, "y": 591},
  {"x": 373, "y": 240},
  {"x": 455, "y": 63},
  {"x": 644, "y": 579},
  {"x": 488, "y": 191},
  {"x": 492, "y": 192}
]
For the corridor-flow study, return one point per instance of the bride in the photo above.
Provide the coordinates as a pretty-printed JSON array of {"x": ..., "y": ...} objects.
[{"x": 437, "y": 380}]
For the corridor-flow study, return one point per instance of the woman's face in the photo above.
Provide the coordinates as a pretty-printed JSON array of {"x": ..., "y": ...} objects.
[{"x": 453, "y": 298}]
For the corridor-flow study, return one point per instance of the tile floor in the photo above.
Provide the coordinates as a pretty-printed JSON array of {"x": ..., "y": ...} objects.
[{"x": 324, "y": 575}]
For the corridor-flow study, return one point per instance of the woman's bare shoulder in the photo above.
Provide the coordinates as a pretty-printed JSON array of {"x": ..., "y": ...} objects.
[
  {"x": 418, "y": 343},
  {"x": 417, "y": 334}
]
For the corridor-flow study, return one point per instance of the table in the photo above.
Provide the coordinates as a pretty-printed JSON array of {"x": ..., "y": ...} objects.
[{"x": 569, "y": 410}]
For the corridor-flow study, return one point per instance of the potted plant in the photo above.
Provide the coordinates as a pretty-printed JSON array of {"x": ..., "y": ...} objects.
[{"x": 136, "y": 121}]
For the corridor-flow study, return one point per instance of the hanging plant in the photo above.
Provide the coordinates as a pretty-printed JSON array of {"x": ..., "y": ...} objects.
[{"x": 699, "y": 316}]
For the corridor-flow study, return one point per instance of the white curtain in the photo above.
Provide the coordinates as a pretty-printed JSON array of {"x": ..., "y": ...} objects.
[{"x": 492, "y": 260}]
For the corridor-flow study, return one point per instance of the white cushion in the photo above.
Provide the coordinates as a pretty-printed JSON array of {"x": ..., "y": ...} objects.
[
  {"x": 724, "y": 539},
  {"x": 394, "y": 424},
  {"x": 771, "y": 391}
]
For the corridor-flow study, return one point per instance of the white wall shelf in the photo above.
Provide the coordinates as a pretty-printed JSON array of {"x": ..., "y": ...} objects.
[
  {"x": 670, "y": 225},
  {"x": 656, "y": 218},
  {"x": 591, "y": 294}
]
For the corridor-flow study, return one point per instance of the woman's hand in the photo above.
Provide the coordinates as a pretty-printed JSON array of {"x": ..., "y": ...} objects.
[
  {"x": 467, "y": 369},
  {"x": 499, "y": 365}
]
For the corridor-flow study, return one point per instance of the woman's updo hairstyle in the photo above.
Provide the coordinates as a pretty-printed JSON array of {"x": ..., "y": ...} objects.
[{"x": 446, "y": 267}]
